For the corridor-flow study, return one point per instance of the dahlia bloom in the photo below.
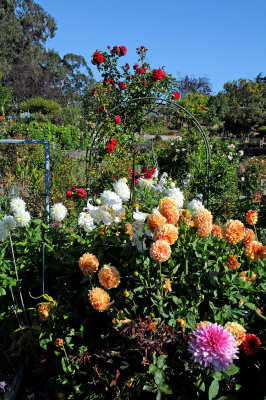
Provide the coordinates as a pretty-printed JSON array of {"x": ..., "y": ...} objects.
[
  {"x": 109, "y": 277},
  {"x": 262, "y": 253},
  {"x": 232, "y": 263},
  {"x": 121, "y": 189},
  {"x": 237, "y": 330},
  {"x": 249, "y": 236},
  {"x": 167, "y": 286},
  {"x": 101, "y": 214},
  {"x": 248, "y": 276},
  {"x": 181, "y": 322},
  {"x": 213, "y": 346},
  {"x": 43, "y": 311},
  {"x": 58, "y": 212},
  {"x": 88, "y": 264},
  {"x": 201, "y": 324},
  {"x": 233, "y": 231},
  {"x": 194, "y": 206},
  {"x": 17, "y": 204},
  {"x": 167, "y": 232},
  {"x": 185, "y": 215},
  {"x": 168, "y": 201},
  {"x": 86, "y": 221},
  {"x": 252, "y": 217},
  {"x": 109, "y": 198},
  {"x": 217, "y": 231},
  {"x": 203, "y": 218},
  {"x": 170, "y": 213},
  {"x": 205, "y": 230},
  {"x": 177, "y": 195},
  {"x": 160, "y": 251},
  {"x": 99, "y": 299},
  {"x": 146, "y": 183},
  {"x": 252, "y": 250},
  {"x": 251, "y": 345},
  {"x": 154, "y": 220},
  {"x": 22, "y": 218},
  {"x": 9, "y": 222}
]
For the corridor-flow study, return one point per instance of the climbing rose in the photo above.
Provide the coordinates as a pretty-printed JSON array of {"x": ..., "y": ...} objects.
[
  {"x": 158, "y": 75},
  {"x": 93, "y": 92},
  {"x": 69, "y": 194},
  {"x": 176, "y": 96},
  {"x": 109, "y": 148},
  {"x": 81, "y": 192},
  {"x": 118, "y": 119},
  {"x": 122, "y": 85},
  {"x": 213, "y": 346},
  {"x": 98, "y": 59},
  {"x": 140, "y": 71},
  {"x": 114, "y": 142},
  {"x": 251, "y": 345},
  {"x": 123, "y": 51}
]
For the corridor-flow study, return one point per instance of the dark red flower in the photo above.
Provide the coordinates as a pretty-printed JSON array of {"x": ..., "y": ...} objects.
[
  {"x": 122, "y": 85},
  {"x": 148, "y": 175},
  {"x": 140, "y": 71},
  {"x": 135, "y": 65},
  {"x": 69, "y": 194},
  {"x": 93, "y": 92},
  {"x": 202, "y": 106},
  {"x": 81, "y": 192},
  {"x": 145, "y": 83},
  {"x": 109, "y": 148},
  {"x": 115, "y": 50},
  {"x": 73, "y": 186},
  {"x": 114, "y": 142},
  {"x": 158, "y": 75},
  {"x": 118, "y": 119},
  {"x": 176, "y": 96},
  {"x": 98, "y": 59},
  {"x": 153, "y": 170},
  {"x": 126, "y": 67},
  {"x": 123, "y": 51},
  {"x": 251, "y": 345}
]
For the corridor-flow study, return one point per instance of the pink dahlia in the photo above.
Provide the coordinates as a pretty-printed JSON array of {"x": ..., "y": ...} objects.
[{"x": 213, "y": 346}]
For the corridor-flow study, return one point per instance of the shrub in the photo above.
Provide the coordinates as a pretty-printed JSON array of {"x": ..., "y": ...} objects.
[{"x": 40, "y": 105}]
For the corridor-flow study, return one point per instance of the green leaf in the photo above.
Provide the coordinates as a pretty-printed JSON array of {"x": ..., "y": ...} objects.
[
  {"x": 159, "y": 395},
  {"x": 232, "y": 370},
  {"x": 213, "y": 389},
  {"x": 165, "y": 388},
  {"x": 148, "y": 388},
  {"x": 159, "y": 377},
  {"x": 218, "y": 376},
  {"x": 152, "y": 369},
  {"x": 161, "y": 361}
]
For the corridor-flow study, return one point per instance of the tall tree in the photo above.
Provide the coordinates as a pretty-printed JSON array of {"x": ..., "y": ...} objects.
[{"x": 190, "y": 84}]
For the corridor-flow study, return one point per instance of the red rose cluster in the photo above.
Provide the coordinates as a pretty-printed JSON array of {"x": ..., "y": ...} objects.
[
  {"x": 126, "y": 67},
  {"x": 148, "y": 174},
  {"x": 158, "y": 75},
  {"x": 97, "y": 59},
  {"x": 140, "y": 70},
  {"x": 142, "y": 50},
  {"x": 119, "y": 50},
  {"x": 176, "y": 96},
  {"x": 118, "y": 120},
  {"x": 137, "y": 175},
  {"x": 122, "y": 85},
  {"x": 111, "y": 146},
  {"x": 79, "y": 192}
]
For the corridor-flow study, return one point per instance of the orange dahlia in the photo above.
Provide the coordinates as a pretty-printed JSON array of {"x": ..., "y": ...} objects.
[
  {"x": 43, "y": 311},
  {"x": 262, "y": 253},
  {"x": 99, "y": 299},
  {"x": 154, "y": 220},
  {"x": 167, "y": 232},
  {"x": 248, "y": 276},
  {"x": 167, "y": 201},
  {"x": 232, "y": 263},
  {"x": 249, "y": 236},
  {"x": 237, "y": 330},
  {"x": 252, "y": 250},
  {"x": 170, "y": 213},
  {"x": 160, "y": 251},
  {"x": 203, "y": 323},
  {"x": 217, "y": 231},
  {"x": 167, "y": 286},
  {"x": 181, "y": 322},
  {"x": 109, "y": 277},
  {"x": 185, "y": 215},
  {"x": 204, "y": 230},
  {"x": 203, "y": 218},
  {"x": 233, "y": 231},
  {"x": 88, "y": 264},
  {"x": 252, "y": 217}
]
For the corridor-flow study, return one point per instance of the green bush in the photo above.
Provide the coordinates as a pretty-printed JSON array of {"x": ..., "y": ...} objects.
[{"x": 40, "y": 105}]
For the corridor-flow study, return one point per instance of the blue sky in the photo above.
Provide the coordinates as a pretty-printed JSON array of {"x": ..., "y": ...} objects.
[{"x": 222, "y": 40}]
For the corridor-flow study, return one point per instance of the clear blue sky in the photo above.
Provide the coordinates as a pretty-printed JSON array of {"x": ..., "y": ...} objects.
[{"x": 220, "y": 39}]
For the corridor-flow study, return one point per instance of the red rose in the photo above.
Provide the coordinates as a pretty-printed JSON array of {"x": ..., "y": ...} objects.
[
  {"x": 114, "y": 142},
  {"x": 109, "y": 148},
  {"x": 123, "y": 51},
  {"x": 115, "y": 50},
  {"x": 81, "y": 192},
  {"x": 202, "y": 107},
  {"x": 145, "y": 83},
  {"x": 122, "y": 85},
  {"x": 153, "y": 170},
  {"x": 135, "y": 65},
  {"x": 148, "y": 175},
  {"x": 69, "y": 194},
  {"x": 158, "y": 75},
  {"x": 93, "y": 92},
  {"x": 140, "y": 71},
  {"x": 126, "y": 67},
  {"x": 118, "y": 119},
  {"x": 97, "y": 58},
  {"x": 176, "y": 96}
]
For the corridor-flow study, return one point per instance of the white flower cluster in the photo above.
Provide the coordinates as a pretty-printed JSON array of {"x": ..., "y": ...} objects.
[
  {"x": 58, "y": 212},
  {"x": 138, "y": 231},
  {"x": 9, "y": 222},
  {"x": 194, "y": 206}
]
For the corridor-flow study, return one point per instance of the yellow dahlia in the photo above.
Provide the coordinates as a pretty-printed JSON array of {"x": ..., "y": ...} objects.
[
  {"x": 232, "y": 263},
  {"x": 237, "y": 330},
  {"x": 160, "y": 251},
  {"x": 217, "y": 231},
  {"x": 88, "y": 264},
  {"x": 154, "y": 220},
  {"x": 248, "y": 276},
  {"x": 167, "y": 232},
  {"x": 233, "y": 231},
  {"x": 167, "y": 201},
  {"x": 252, "y": 250},
  {"x": 99, "y": 299},
  {"x": 252, "y": 217},
  {"x": 249, "y": 236},
  {"x": 171, "y": 213},
  {"x": 109, "y": 277}
]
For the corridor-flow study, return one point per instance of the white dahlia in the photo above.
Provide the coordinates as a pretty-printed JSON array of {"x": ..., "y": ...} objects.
[
  {"x": 58, "y": 212},
  {"x": 122, "y": 189}
]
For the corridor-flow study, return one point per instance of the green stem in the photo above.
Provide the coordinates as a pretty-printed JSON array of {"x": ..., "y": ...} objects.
[
  {"x": 63, "y": 347},
  {"x": 186, "y": 266}
]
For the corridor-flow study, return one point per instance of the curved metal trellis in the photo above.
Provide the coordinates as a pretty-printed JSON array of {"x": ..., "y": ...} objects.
[{"x": 90, "y": 151}]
